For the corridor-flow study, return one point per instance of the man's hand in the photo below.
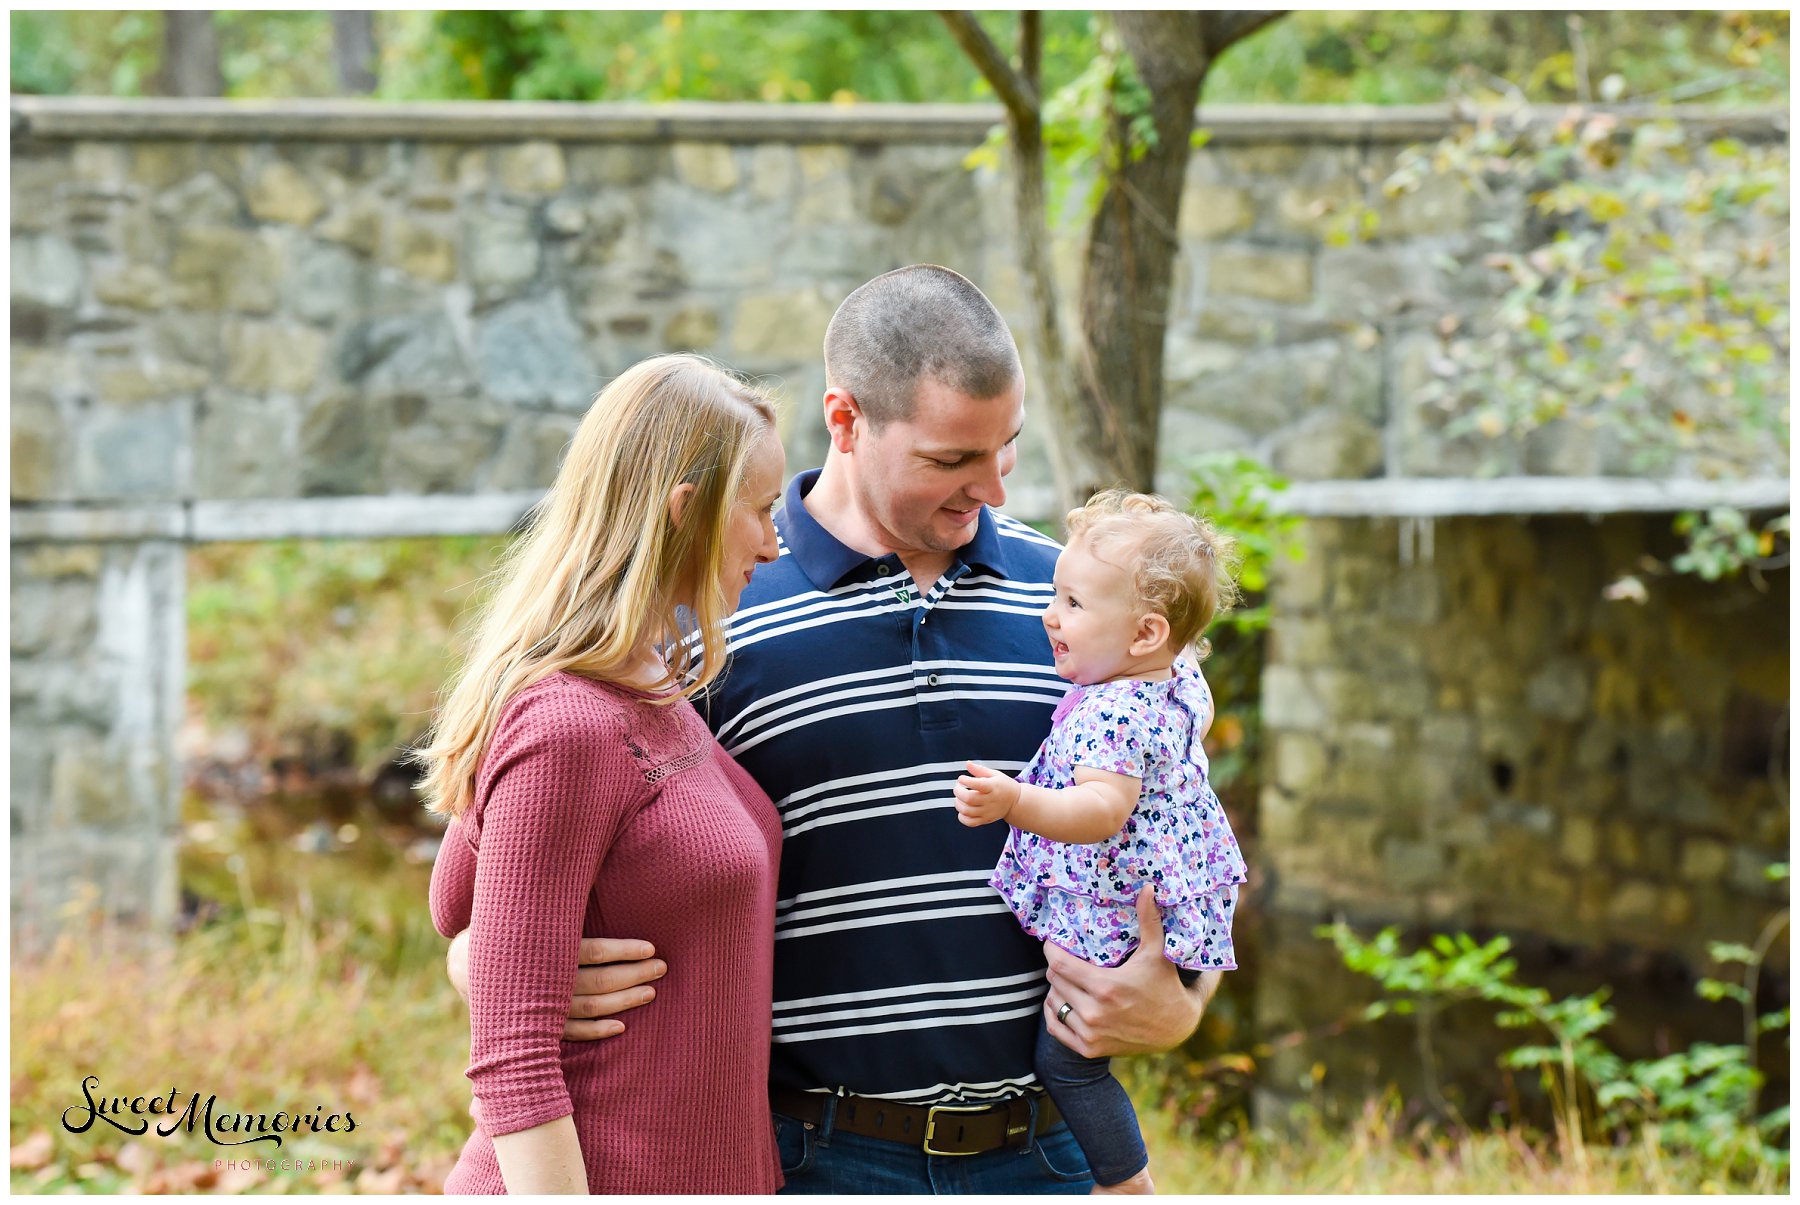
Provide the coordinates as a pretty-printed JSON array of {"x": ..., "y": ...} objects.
[
  {"x": 614, "y": 977},
  {"x": 1138, "y": 1008},
  {"x": 984, "y": 795}
]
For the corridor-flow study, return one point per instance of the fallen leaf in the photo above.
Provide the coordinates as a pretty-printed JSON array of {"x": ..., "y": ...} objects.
[{"x": 34, "y": 1152}]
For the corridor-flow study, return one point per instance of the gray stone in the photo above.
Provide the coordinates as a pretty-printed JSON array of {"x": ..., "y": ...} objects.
[
  {"x": 443, "y": 447},
  {"x": 145, "y": 378},
  {"x": 601, "y": 165},
  {"x": 280, "y": 193},
  {"x": 1559, "y": 689},
  {"x": 402, "y": 353},
  {"x": 39, "y": 441},
  {"x": 533, "y": 169},
  {"x": 1266, "y": 273},
  {"x": 39, "y": 176},
  {"x": 246, "y": 445},
  {"x": 85, "y": 789},
  {"x": 135, "y": 286},
  {"x": 280, "y": 357},
  {"x": 1439, "y": 205},
  {"x": 780, "y": 326},
  {"x": 773, "y": 171},
  {"x": 326, "y": 283},
  {"x": 1185, "y": 438},
  {"x": 532, "y": 353},
  {"x": 1411, "y": 865},
  {"x": 1703, "y": 860},
  {"x": 54, "y": 617},
  {"x": 710, "y": 166},
  {"x": 565, "y": 217},
  {"x": 202, "y": 199},
  {"x": 1329, "y": 444},
  {"x": 1289, "y": 701},
  {"x": 1370, "y": 283},
  {"x": 225, "y": 267},
  {"x": 693, "y": 328},
  {"x": 420, "y": 249},
  {"x": 1633, "y": 903},
  {"x": 69, "y": 692},
  {"x": 530, "y": 452},
  {"x": 357, "y": 221},
  {"x": 341, "y": 440},
  {"x": 719, "y": 240},
  {"x": 46, "y": 272},
  {"x": 1300, "y": 762},
  {"x": 1319, "y": 209},
  {"x": 501, "y": 249},
  {"x": 139, "y": 453},
  {"x": 1211, "y": 210}
]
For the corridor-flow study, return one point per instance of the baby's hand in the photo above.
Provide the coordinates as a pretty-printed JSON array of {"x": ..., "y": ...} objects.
[{"x": 984, "y": 796}]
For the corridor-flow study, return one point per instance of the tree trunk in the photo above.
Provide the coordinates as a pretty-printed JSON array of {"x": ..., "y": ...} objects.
[
  {"x": 353, "y": 51},
  {"x": 1132, "y": 245},
  {"x": 190, "y": 65}
]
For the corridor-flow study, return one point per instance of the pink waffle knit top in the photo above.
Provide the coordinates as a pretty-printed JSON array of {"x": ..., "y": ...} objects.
[{"x": 599, "y": 814}]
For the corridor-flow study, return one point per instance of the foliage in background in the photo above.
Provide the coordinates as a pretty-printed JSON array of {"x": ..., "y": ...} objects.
[
  {"x": 300, "y": 646},
  {"x": 1369, "y": 57},
  {"x": 1649, "y": 307},
  {"x": 1700, "y": 1102},
  {"x": 1236, "y": 493}
]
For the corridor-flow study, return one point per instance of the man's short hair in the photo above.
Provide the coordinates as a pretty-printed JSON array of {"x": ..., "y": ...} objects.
[{"x": 913, "y": 324}]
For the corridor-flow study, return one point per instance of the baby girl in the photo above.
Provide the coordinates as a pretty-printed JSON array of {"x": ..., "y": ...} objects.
[{"x": 1117, "y": 796}]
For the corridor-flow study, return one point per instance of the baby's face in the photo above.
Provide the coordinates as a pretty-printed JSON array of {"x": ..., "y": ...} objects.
[{"x": 1093, "y": 621}]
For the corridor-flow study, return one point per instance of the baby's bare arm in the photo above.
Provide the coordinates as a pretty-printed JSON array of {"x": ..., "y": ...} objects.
[{"x": 1095, "y": 808}]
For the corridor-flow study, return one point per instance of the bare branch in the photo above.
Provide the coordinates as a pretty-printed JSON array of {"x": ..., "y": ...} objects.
[
  {"x": 1220, "y": 30},
  {"x": 1019, "y": 96}
]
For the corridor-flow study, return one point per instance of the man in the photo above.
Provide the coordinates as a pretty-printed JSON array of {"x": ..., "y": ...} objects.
[{"x": 899, "y": 635}]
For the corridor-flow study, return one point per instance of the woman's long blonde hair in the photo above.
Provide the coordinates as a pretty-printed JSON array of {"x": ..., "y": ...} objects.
[{"x": 592, "y": 583}]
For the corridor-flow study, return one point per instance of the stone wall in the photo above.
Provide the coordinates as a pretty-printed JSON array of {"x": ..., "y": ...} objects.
[
  {"x": 1466, "y": 736},
  {"x": 1480, "y": 738},
  {"x": 217, "y": 302}
]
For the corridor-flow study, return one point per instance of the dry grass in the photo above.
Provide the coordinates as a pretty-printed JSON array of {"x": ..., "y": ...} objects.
[
  {"x": 318, "y": 980},
  {"x": 338, "y": 999}
]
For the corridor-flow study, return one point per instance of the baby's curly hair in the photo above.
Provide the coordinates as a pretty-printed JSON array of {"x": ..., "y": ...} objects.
[{"x": 1181, "y": 566}]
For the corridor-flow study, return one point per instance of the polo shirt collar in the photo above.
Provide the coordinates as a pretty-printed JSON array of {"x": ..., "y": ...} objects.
[{"x": 827, "y": 562}]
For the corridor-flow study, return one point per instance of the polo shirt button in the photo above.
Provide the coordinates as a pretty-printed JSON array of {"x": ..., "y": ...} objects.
[
  {"x": 932, "y": 680},
  {"x": 882, "y": 570}
]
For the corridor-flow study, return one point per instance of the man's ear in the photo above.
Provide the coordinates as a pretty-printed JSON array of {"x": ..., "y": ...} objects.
[
  {"x": 842, "y": 415},
  {"x": 678, "y": 501},
  {"x": 1152, "y": 633}
]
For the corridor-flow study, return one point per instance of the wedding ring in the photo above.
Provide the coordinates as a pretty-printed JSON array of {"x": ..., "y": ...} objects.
[{"x": 1062, "y": 1014}]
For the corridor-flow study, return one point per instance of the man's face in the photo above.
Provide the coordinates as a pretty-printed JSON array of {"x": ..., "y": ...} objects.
[{"x": 923, "y": 481}]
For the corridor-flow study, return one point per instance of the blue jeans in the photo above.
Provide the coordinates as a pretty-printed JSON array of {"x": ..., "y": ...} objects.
[
  {"x": 1096, "y": 1107},
  {"x": 819, "y": 1161}
]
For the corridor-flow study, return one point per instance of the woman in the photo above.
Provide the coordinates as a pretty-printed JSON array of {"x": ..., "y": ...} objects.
[{"x": 589, "y": 799}]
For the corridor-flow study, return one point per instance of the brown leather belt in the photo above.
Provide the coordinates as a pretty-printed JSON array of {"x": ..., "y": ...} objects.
[{"x": 937, "y": 1129}]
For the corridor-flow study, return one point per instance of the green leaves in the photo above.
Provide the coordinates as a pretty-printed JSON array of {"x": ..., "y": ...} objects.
[{"x": 1701, "y": 1099}]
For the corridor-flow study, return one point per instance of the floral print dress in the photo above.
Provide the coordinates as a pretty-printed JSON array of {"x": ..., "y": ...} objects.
[{"x": 1084, "y": 897}]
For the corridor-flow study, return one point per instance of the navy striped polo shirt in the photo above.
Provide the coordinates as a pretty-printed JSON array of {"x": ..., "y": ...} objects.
[{"x": 854, "y": 701}]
